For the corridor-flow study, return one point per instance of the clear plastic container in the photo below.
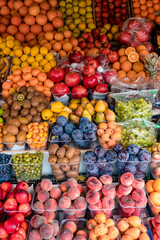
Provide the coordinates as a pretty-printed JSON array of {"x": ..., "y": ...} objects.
[
  {"x": 27, "y": 172},
  {"x": 149, "y": 221},
  {"x": 155, "y": 168},
  {"x": 78, "y": 213},
  {"x": 85, "y": 144},
  {"x": 99, "y": 169},
  {"x": 17, "y": 146},
  {"x": 129, "y": 211},
  {"x": 64, "y": 171},
  {"x": 107, "y": 212},
  {"x": 57, "y": 141},
  {"x": 110, "y": 143},
  {"x": 97, "y": 95},
  {"x": 5, "y": 171},
  {"x": 154, "y": 209},
  {"x": 138, "y": 131},
  {"x": 64, "y": 98}
]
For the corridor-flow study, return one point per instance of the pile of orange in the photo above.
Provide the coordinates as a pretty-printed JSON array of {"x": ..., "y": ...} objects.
[
  {"x": 60, "y": 42},
  {"x": 153, "y": 189},
  {"x": 130, "y": 63},
  {"x": 146, "y": 9}
]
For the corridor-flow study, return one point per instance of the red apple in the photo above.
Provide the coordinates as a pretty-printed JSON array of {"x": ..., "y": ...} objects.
[
  {"x": 125, "y": 37},
  {"x": 99, "y": 5},
  {"x": 75, "y": 57},
  {"x": 90, "y": 82},
  {"x": 117, "y": 20},
  {"x": 24, "y": 208},
  {"x": 6, "y": 186},
  {"x": 105, "y": 14},
  {"x": 148, "y": 26},
  {"x": 90, "y": 45},
  {"x": 88, "y": 70},
  {"x": 105, "y": 9},
  {"x": 11, "y": 195},
  {"x": 105, "y": 20},
  {"x": 56, "y": 74},
  {"x": 93, "y": 63},
  {"x": 141, "y": 35},
  {"x": 103, "y": 39},
  {"x": 82, "y": 44},
  {"x": 22, "y": 196},
  {"x": 11, "y": 225},
  {"x": 149, "y": 46},
  {"x": 107, "y": 45},
  {"x": 101, "y": 88},
  {"x": 117, "y": 3},
  {"x": 105, "y": 51},
  {"x": 98, "y": 9},
  {"x": 98, "y": 14},
  {"x": 117, "y": 9},
  {"x": 87, "y": 59},
  {"x": 134, "y": 24},
  {"x": 3, "y": 232},
  {"x": 3, "y": 195},
  {"x": 90, "y": 39},
  {"x": 124, "y": 17},
  {"x": 110, "y": 76},
  {"x": 21, "y": 186},
  {"x": 95, "y": 32},
  {"x": 103, "y": 60},
  {"x": 123, "y": 11},
  {"x": 72, "y": 79},
  {"x": 10, "y": 204},
  {"x": 60, "y": 89},
  {"x": 113, "y": 57},
  {"x": 111, "y": 13},
  {"x": 16, "y": 236},
  {"x": 135, "y": 44},
  {"x": 118, "y": 15},
  {"x": 79, "y": 92},
  {"x": 105, "y": 3},
  {"x": 98, "y": 44},
  {"x": 111, "y": 6},
  {"x": 67, "y": 69},
  {"x": 19, "y": 216},
  {"x": 85, "y": 35},
  {"x": 123, "y": 5},
  {"x": 99, "y": 77}
]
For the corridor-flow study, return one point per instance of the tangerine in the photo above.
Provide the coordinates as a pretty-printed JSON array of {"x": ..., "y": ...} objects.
[
  {"x": 121, "y": 52},
  {"x": 149, "y": 3},
  {"x": 144, "y": 13},
  {"x": 129, "y": 50},
  {"x": 133, "y": 57},
  {"x": 123, "y": 59},
  {"x": 116, "y": 65},
  {"x": 132, "y": 75},
  {"x": 138, "y": 67},
  {"x": 121, "y": 74},
  {"x": 136, "y": 10},
  {"x": 151, "y": 16},
  {"x": 140, "y": 47},
  {"x": 156, "y": 7},
  {"x": 126, "y": 66}
]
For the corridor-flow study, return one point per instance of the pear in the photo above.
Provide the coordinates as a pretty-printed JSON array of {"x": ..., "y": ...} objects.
[
  {"x": 100, "y": 106},
  {"x": 93, "y": 102},
  {"x": 87, "y": 115},
  {"x": 84, "y": 103},
  {"x": 100, "y": 117},
  {"x": 79, "y": 111},
  {"x": 90, "y": 108},
  {"x": 84, "y": 99},
  {"x": 78, "y": 101},
  {"x": 73, "y": 118},
  {"x": 105, "y": 103}
]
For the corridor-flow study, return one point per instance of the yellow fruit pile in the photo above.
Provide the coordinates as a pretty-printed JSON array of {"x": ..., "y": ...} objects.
[{"x": 8, "y": 45}]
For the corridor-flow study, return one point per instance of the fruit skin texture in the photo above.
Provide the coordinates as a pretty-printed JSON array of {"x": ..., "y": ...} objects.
[
  {"x": 59, "y": 89},
  {"x": 72, "y": 79},
  {"x": 90, "y": 82},
  {"x": 56, "y": 74},
  {"x": 75, "y": 57},
  {"x": 22, "y": 196},
  {"x": 113, "y": 57},
  {"x": 79, "y": 92},
  {"x": 101, "y": 88},
  {"x": 11, "y": 225},
  {"x": 22, "y": 186}
]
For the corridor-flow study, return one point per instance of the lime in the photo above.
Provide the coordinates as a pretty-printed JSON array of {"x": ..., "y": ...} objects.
[
  {"x": 1, "y": 111},
  {"x": 1, "y": 120}
]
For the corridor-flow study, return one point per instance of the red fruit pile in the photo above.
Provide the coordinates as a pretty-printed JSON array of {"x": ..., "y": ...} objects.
[
  {"x": 155, "y": 226},
  {"x": 111, "y": 11},
  {"x": 46, "y": 199},
  {"x": 132, "y": 197},
  {"x": 136, "y": 31},
  {"x": 14, "y": 228},
  {"x": 72, "y": 201},
  {"x": 100, "y": 195}
]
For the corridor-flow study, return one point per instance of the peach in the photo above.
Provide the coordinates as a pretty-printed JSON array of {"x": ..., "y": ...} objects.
[
  {"x": 50, "y": 204},
  {"x": 123, "y": 225},
  {"x": 80, "y": 188},
  {"x": 63, "y": 187},
  {"x": 104, "y": 237},
  {"x": 70, "y": 225},
  {"x": 133, "y": 232},
  {"x": 92, "y": 197},
  {"x": 37, "y": 221},
  {"x": 80, "y": 213},
  {"x": 149, "y": 186},
  {"x": 155, "y": 198},
  {"x": 106, "y": 179},
  {"x": 100, "y": 229},
  {"x": 144, "y": 236},
  {"x": 110, "y": 115},
  {"x": 91, "y": 224},
  {"x": 100, "y": 218},
  {"x": 113, "y": 232},
  {"x": 94, "y": 184},
  {"x": 80, "y": 203},
  {"x": 38, "y": 207},
  {"x": 73, "y": 193},
  {"x": 46, "y": 184},
  {"x": 34, "y": 235},
  {"x": 64, "y": 202},
  {"x": 55, "y": 228},
  {"x": 134, "y": 221},
  {"x": 55, "y": 192},
  {"x": 71, "y": 182},
  {"x": 92, "y": 235},
  {"x": 38, "y": 188},
  {"x": 126, "y": 237},
  {"x": 49, "y": 214},
  {"x": 127, "y": 179},
  {"x": 46, "y": 231},
  {"x": 142, "y": 228},
  {"x": 82, "y": 233},
  {"x": 43, "y": 195},
  {"x": 110, "y": 222},
  {"x": 66, "y": 234},
  {"x": 109, "y": 190}
]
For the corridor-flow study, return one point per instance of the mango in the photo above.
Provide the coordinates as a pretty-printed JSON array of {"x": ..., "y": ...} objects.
[{"x": 47, "y": 114}]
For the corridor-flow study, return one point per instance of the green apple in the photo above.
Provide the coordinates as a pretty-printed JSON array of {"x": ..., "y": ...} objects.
[
  {"x": 89, "y": 20},
  {"x": 75, "y": 3},
  {"x": 62, "y": 9},
  {"x": 82, "y": 11},
  {"x": 75, "y": 9},
  {"x": 83, "y": 19},
  {"x": 89, "y": 2},
  {"x": 65, "y": 27},
  {"x": 107, "y": 26},
  {"x": 82, "y": 26},
  {"x": 110, "y": 36},
  {"x": 76, "y": 33},
  {"x": 64, "y": 16},
  {"x": 69, "y": 11},
  {"x": 89, "y": 15},
  {"x": 68, "y": 1},
  {"x": 103, "y": 30},
  {"x": 61, "y": 29},
  {"x": 62, "y": 3},
  {"x": 75, "y": 15},
  {"x": 82, "y": 4},
  {"x": 1, "y": 112},
  {"x": 89, "y": 9},
  {"x": 72, "y": 26},
  {"x": 68, "y": 20},
  {"x": 68, "y": 5},
  {"x": 1, "y": 120},
  {"x": 77, "y": 21},
  {"x": 91, "y": 26}
]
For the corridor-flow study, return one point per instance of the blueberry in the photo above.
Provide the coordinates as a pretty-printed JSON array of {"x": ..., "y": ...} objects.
[
  {"x": 65, "y": 138},
  {"x": 118, "y": 147},
  {"x": 90, "y": 135},
  {"x": 123, "y": 156},
  {"x": 99, "y": 151},
  {"x": 101, "y": 162},
  {"x": 120, "y": 165},
  {"x": 111, "y": 156},
  {"x": 61, "y": 121},
  {"x": 144, "y": 155},
  {"x": 84, "y": 125},
  {"x": 142, "y": 166},
  {"x": 77, "y": 134},
  {"x": 89, "y": 157},
  {"x": 133, "y": 149},
  {"x": 54, "y": 139},
  {"x": 130, "y": 168},
  {"x": 57, "y": 130},
  {"x": 133, "y": 158},
  {"x": 94, "y": 127},
  {"x": 69, "y": 127},
  {"x": 92, "y": 170}
]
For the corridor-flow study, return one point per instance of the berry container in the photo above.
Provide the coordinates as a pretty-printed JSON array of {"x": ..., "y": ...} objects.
[
  {"x": 81, "y": 225},
  {"x": 16, "y": 146},
  {"x": 27, "y": 172},
  {"x": 126, "y": 211},
  {"x": 107, "y": 212},
  {"x": 85, "y": 144},
  {"x": 5, "y": 168},
  {"x": 155, "y": 168},
  {"x": 99, "y": 169},
  {"x": 64, "y": 171}
]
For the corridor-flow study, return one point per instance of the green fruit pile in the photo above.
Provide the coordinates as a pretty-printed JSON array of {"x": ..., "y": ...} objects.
[
  {"x": 77, "y": 15},
  {"x": 138, "y": 108},
  {"x": 27, "y": 166}
]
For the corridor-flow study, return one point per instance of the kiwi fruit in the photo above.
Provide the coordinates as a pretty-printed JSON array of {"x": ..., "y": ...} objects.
[
  {"x": 5, "y": 106},
  {"x": 9, "y": 139},
  {"x": 26, "y": 104},
  {"x": 4, "y": 131},
  {"x": 40, "y": 99},
  {"x": 24, "y": 93},
  {"x": 15, "y": 122},
  {"x": 24, "y": 128},
  {"x": 30, "y": 89},
  {"x": 16, "y": 106},
  {"x": 29, "y": 117},
  {"x": 36, "y": 93},
  {"x": 23, "y": 120},
  {"x": 10, "y": 100},
  {"x": 12, "y": 129},
  {"x": 14, "y": 113},
  {"x": 46, "y": 102},
  {"x": 36, "y": 119},
  {"x": 22, "y": 89},
  {"x": 21, "y": 136},
  {"x": 34, "y": 101},
  {"x": 40, "y": 107},
  {"x": 30, "y": 95},
  {"x": 33, "y": 111},
  {"x": 24, "y": 112},
  {"x": 6, "y": 113},
  {"x": 15, "y": 95}
]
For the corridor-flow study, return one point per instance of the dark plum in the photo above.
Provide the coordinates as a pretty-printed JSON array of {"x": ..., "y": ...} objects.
[
  {"x": 133, "y": 149},
  {"x": 144, "y": 155},
  {"x": 93, "y": 127},
  {"x": 99, "y": 151},
  {"x": 118, "y": 147},
  {"x": 101, "y": 162},
  {"x": 69, "y": 127},
  {"x": 61, "y": 121},
  {"x": 90, "y": 135},
  {"x": 134, "y": 159},
  {"x": 92, "y": 170},
  {"x": 89, "y": 157},
  {"x": 129, "y": 167},
  {"x": 57, "y": 130},
  {"x": 111, "y": 156},
  {"x": 77, "y": 134},
  {"x": 123, "y": 156}
]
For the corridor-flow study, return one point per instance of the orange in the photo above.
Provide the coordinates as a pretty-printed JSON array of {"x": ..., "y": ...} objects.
[
  {"x": 143, "y": 54},
  {"x": 123, "y": 59},
  {"x": 126, "y": 66},
  {"x": 58, "y": 36},
  {"x": 67, "y": 46},
  {"x": 142, "y": 1},
  {"x": 121, "y": 74},
  {"x": 151, "y": 16},
  {"x": 140, "y": 47},
  {"x": 138, "y": 67},
  {"x": 136, "y": 5},
  {"x": 157, "y": 20},
  {"x": 57, "y": 46},
  {"x": 155, "y": 1},
  {"x": 133, "y": 57},
  {"x": 142, "y": 74},
  {"x": 156, "y": 7},
  {"x": 150, "y": 10},
  {"x": 144, "y": 13},
  {"x": 74, "y": 42},
  {"x": 132, "y": 75},
  {"x": 116, "y": 65},
  {"x": 149, "y": 3},
  {"x": 129, "y": 50},
  {"x": 143, "y": 7},
  {"x": 67, "y": 33},
  {"x": 136, "y": 10},
  {"x": 121, "y": 52},
  {"x": 62, "y": 53}
]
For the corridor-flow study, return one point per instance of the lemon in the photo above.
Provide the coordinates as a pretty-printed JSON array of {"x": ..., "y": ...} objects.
[
  {"x": 17, "y": 43},
  {"x": 24, "y": 64},
  {"x": 49, "y": 56},
  {"x": 34, "y": 51},
  {"x": 30, "y": 59},
  {"x": 16, "y": 61},
  {"x": 24, "y": 57},
  {"x": 15, "y": 67},
  {"x": 26, "y": 50},
  {"x": 44, "y": 51},
  {"x": 47, "y": 67},
  {"x": 35, "y": 64},
  {"x": 12, "y": 53},
  {"x": 2, "y": 45},
  {"x": 6, "y": 51},
  {"x": 10, "y": 43},
  {"x": 43, "y": 62},
  {"x": 0, "y": 40},
  {"x": 10, "y": 38},
  {"x": 53, "y": 63},
  {"x": 39, "y": 57},
  {"x": 18, "y": 52}
]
